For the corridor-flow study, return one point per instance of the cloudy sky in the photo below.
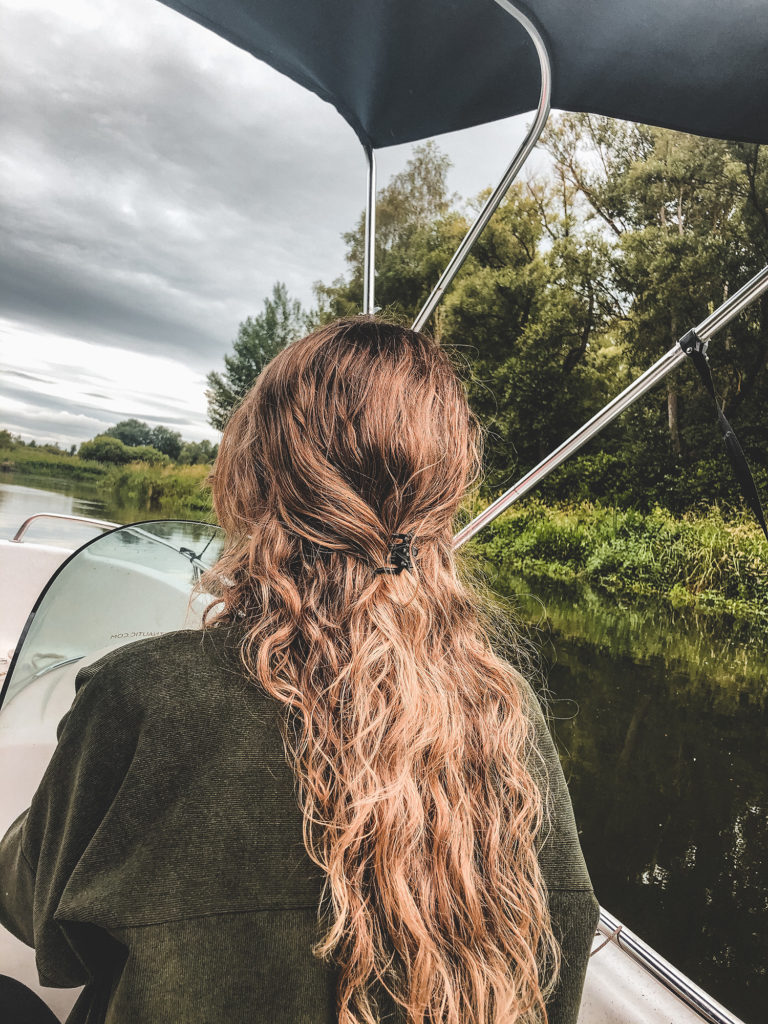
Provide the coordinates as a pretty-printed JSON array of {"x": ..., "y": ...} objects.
[{"x": 154, "y": 183}]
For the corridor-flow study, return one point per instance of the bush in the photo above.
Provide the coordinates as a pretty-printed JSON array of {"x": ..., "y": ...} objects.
[
  {"x": 35, "y": 461},
  {"x": 703, "y": 560},
  {"x": 173, "y": 491},
  {"x": 105, "y": 449},
  {"x": 146, "y": 453}
]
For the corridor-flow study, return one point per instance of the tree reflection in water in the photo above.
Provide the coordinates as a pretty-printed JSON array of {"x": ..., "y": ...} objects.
[{"x": 661, "y": 724}]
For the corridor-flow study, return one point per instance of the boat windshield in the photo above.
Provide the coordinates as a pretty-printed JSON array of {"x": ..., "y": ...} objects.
[{"x": 136, "y": 581}]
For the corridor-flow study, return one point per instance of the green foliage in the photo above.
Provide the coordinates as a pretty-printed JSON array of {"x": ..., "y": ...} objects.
[
  {"x": 171, "y": 491},
  {"x": 701, "y": 561},
  {"x": 131, "y": 432},
  {"x": 138, "y": 434},
  {"x": 259, "y": 338},
  {"x": 109, "y": 449},
  {"x": 166, "y": 441},
  {"x": 146, "y": 453},
  {"x": 583, "y": 278},
  {"x": 35, "y": 461},
  {"x": 106, "y": 448},
  {"x": 417, "y": 229},
  {"x": 195, "y": 453}
]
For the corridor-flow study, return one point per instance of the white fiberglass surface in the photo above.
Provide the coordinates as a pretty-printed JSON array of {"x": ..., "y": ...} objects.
[{"x": 134, "y": 582}]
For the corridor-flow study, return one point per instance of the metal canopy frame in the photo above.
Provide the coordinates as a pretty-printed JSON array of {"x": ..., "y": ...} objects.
[
  {"x": 491, "y": 205},
  {"x": 706, "y": 330},
  {"x": 671, "y": 359},
  {"x": 522, "y": 154},
  {"x": 369, "y": 259}
]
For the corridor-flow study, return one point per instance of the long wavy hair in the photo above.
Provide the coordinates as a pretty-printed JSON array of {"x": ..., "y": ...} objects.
[{"x": 407, "y": 733}]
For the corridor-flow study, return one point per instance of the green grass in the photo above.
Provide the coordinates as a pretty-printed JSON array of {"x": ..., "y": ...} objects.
[
  {"x": 172, "y": 491},
  {"x": 22, "y": 460},
  {"x": 697, "y": 560}
]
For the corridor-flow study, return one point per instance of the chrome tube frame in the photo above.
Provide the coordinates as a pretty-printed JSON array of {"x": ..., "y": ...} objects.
[
  {"x": 530, "y": 140},
  {"x": 104, "y": 524},
  {"x": 369, "y": 258},
  {"x": 705, "y": 330},
  {"x": 83, "y": 520},
  {"x": 664, "y": 972}
]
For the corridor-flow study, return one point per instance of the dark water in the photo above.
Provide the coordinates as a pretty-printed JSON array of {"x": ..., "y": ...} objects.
[{"x": 661, "y": 721}]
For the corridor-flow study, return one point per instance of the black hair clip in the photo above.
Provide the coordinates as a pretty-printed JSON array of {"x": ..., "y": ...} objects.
[{"x": 400, "y": 551}]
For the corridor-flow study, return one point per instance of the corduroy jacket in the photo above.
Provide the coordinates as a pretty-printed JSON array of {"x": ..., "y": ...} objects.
[{"x": 161, "y": 863}]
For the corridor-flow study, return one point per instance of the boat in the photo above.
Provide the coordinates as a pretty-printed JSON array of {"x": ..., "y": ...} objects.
[
  {"x": 57, "y": 619},
  {"x": 69, "y": 607}
]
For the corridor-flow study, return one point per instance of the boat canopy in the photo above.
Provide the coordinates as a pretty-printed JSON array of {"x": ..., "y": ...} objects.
[{"x": 402, "y": 70}]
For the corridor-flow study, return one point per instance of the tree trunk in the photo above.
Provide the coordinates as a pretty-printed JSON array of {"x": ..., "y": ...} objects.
[{"x": 674, "y": 426}]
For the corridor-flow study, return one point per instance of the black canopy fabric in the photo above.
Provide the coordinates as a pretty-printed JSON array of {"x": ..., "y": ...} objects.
[{"x": 401, "y": 70}]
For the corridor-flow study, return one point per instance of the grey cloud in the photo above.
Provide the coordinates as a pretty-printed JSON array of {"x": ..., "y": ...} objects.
[
  {"x": 25, "y": 376},
  {"x": 151, "y": 202},
  {"x": 41, "y": 425},
  {"x": 104, "y": 417},
  {"x": 156, "y": 181}
]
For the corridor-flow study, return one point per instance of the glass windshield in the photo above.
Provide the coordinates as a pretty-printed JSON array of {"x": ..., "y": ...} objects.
[{"x": 136, "y": 581}]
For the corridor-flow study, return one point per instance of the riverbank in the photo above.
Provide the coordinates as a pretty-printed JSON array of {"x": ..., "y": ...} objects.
[
  {"x": 700, "y": 561},
  {"x": 177, "y": 492},
  {"x": 169, "y": 491},
  {"x": 29, "y": 461}
]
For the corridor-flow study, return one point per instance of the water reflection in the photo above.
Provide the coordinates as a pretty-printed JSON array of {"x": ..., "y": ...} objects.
[
  {"x": 661, "y": 723},
  {"x": 19, "y": 500}
]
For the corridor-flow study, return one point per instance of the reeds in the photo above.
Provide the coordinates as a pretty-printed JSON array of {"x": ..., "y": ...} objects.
[
  {"x": 171, "y": 491},
  {"x": 701, "y": 560}
]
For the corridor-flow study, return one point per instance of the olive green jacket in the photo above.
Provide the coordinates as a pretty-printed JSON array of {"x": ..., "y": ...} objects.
[{"x": 162, "y": 866}]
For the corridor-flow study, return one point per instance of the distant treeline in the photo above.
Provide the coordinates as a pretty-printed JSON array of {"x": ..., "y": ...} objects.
[{"x": 130, "y": 440}]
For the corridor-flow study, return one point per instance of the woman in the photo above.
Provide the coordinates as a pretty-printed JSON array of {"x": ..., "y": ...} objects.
[{"x": 414, "y": 858}]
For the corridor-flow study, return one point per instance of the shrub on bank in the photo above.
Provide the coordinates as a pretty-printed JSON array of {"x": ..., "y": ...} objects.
[
  {"x": 34, "y": 460},
  {"x": 171, "y": 491},
  {"x": 702, "y": 560}
]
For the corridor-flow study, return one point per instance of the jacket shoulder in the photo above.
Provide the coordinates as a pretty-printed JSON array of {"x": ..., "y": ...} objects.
[{"x": 184, "y": 664}]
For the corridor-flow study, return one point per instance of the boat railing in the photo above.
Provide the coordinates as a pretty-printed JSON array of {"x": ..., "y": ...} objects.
[
  {"x": 663, "y": 971},
  {"x": 103, "y": 524},
  {"x": 83, "y": 520}
]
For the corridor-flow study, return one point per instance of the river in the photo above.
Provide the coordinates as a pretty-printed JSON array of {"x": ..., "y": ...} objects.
[{"x": 661, "y": 721}]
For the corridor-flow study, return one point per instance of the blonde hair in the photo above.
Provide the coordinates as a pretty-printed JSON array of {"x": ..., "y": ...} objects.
[{"x": 407, "y": 733}]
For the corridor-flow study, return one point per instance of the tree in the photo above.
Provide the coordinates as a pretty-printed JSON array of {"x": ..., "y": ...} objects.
[
  {"x": 417, "y": 230},
  {"x": 582, "y": 279},
  {"x": 105, "y": 448},
  {"x": 259, "y": 339},
  {"x": 131, "y": 432},
  {"x": 531, "y": 310},
  {"x": 687, "y": 221},
  {"x": 525, "y": 315},
  {"x": 167, "y": 441}
]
